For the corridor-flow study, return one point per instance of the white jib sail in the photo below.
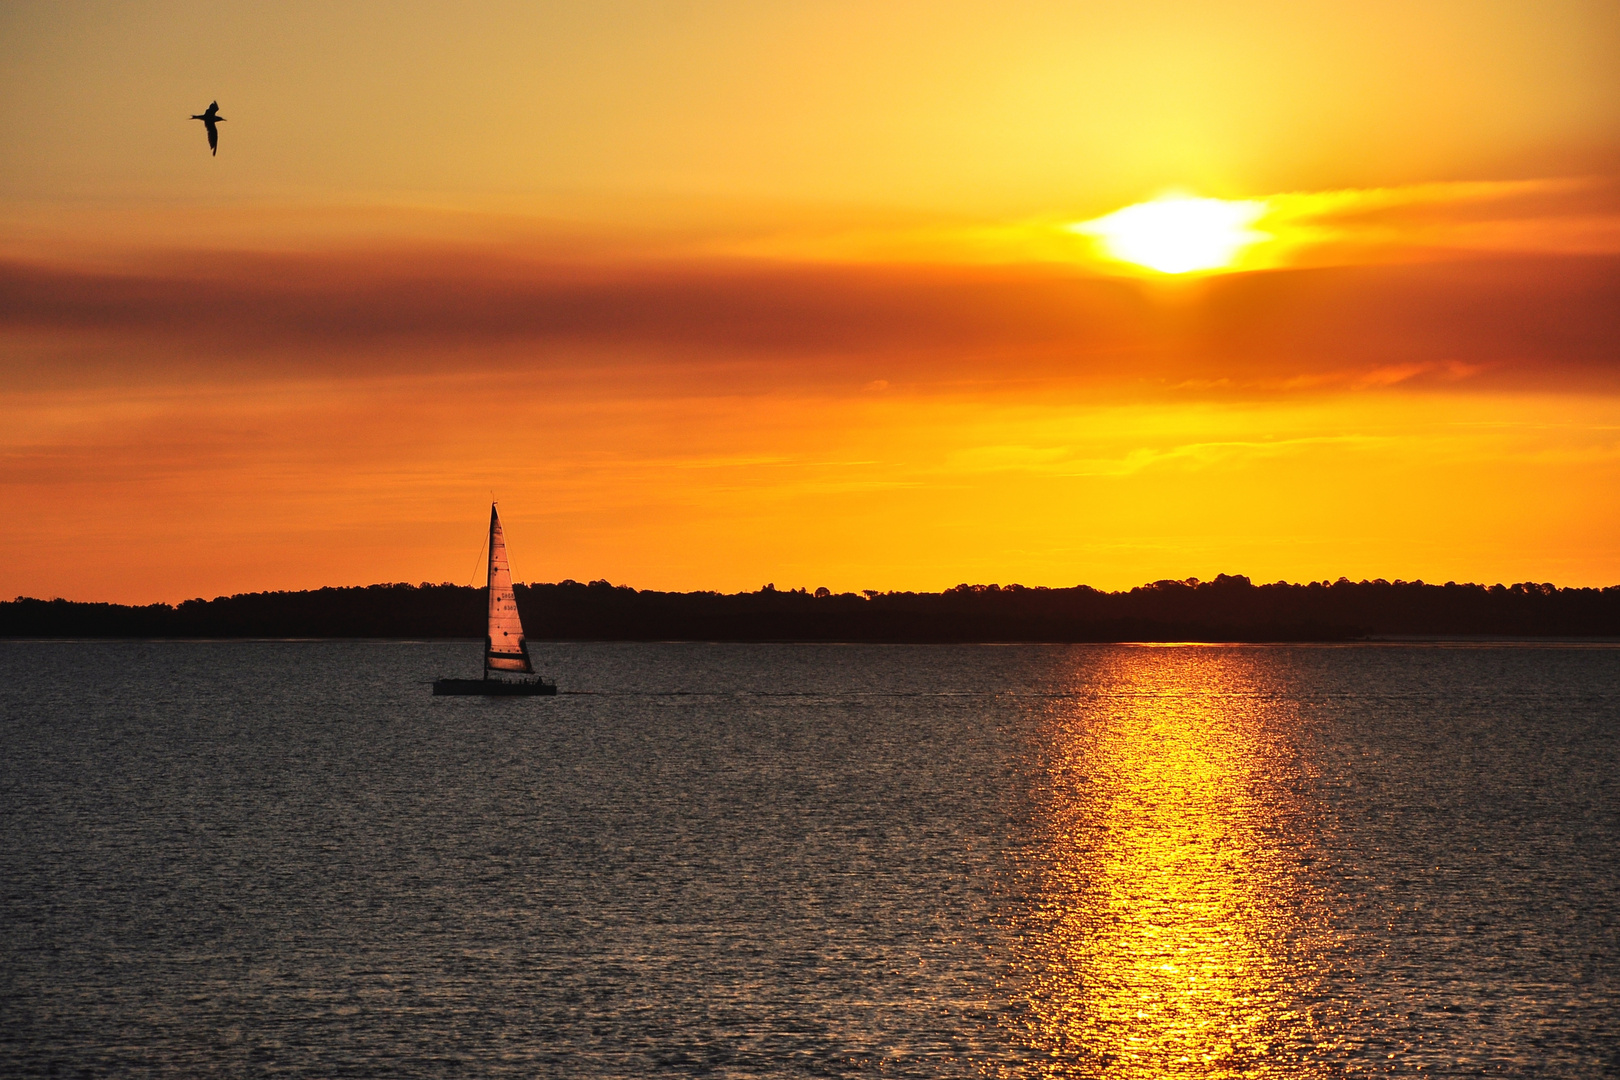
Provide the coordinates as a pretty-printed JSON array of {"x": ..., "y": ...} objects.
[{"x": 504, "y": 649}]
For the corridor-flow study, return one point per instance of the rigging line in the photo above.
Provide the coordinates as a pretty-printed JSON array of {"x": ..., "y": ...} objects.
[
  {"x": 493, "y": 503},
  {"x": 472, "y": 578}
]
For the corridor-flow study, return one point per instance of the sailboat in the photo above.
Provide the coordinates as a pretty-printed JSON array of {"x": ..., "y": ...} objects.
[{"x": 505, "y": 650}]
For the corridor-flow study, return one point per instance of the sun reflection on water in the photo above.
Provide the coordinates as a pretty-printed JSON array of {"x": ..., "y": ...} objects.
[{"x": 1171, "y": 931}]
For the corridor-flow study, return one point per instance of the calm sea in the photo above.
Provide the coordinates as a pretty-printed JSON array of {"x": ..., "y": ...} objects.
[{"x": 253, "y": 859}]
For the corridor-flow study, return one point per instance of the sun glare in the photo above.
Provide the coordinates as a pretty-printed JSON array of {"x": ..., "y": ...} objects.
[{"x": 1177, "y": 234}]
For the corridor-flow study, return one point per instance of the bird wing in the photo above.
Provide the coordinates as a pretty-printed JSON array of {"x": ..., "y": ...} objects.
[{"x": 213, "y": 135}]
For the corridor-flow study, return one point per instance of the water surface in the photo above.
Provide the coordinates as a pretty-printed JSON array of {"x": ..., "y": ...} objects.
[{"x": 249, "y": 859}]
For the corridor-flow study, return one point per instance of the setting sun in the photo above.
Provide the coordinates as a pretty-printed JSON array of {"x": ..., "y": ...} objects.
[{"x": 1177, "y": 234}]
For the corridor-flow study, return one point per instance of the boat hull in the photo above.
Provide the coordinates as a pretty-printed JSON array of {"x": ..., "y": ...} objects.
[{"x": 491, "y": 688}]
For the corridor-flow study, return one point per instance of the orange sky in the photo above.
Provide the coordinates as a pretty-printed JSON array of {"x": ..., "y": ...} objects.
[{"x": 714, "y": 295}]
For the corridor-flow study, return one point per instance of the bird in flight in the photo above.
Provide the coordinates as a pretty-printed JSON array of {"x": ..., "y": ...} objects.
[{"x": 210, "y": 118}]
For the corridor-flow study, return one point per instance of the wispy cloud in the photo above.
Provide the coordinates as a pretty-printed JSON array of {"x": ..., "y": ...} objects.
[{"x": 1565, "y": 215}]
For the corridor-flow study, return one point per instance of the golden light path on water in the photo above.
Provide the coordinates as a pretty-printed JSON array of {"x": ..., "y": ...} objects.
[{"x": 1173, "y": 931}]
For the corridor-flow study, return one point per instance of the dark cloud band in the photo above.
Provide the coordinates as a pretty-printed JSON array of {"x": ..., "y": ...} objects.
[{"x": 1525, "y": 322}]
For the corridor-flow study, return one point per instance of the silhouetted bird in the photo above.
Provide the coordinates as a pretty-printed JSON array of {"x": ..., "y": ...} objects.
[{"x": 210, "y": 117}]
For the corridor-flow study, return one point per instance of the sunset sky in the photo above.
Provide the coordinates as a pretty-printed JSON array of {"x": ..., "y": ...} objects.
[{"x": 843, "y": 294}]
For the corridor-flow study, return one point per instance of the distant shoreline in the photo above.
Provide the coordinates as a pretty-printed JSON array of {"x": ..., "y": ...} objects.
[{"x": 1229, "y": 609}]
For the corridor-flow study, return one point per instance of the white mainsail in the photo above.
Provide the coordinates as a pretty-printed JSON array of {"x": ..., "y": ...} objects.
[{"x": 504, "y": 647}]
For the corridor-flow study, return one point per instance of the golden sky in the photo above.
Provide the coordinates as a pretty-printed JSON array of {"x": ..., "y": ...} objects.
[{"x": 715, "y": 294}]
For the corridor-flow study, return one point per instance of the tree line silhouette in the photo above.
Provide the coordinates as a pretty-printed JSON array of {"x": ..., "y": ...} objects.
[{"x": 1230, "y": 608}]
